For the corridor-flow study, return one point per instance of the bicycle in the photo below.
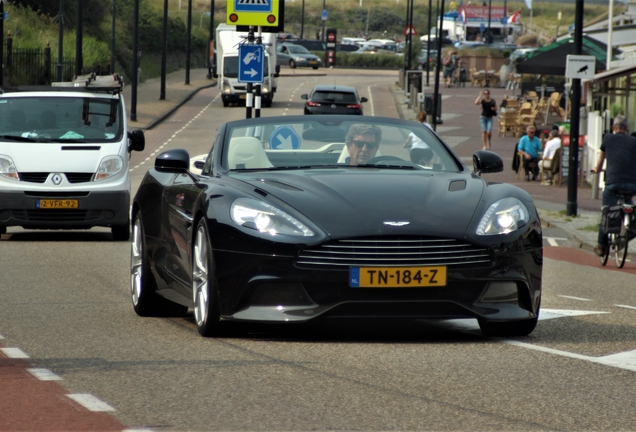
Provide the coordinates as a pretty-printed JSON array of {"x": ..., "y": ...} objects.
[
  {"x": 617, "y": 224},
  {"x": 459, "y": 76}
]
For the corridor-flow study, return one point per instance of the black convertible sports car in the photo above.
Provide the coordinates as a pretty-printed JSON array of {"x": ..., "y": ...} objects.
[{"x": 296, "y": 218}]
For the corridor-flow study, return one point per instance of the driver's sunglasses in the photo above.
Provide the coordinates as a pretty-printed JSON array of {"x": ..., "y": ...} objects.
[{"x": 360, "y": 144}]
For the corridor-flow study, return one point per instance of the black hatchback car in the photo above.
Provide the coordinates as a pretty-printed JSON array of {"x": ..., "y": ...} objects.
[{"x": 330, "y": 99}]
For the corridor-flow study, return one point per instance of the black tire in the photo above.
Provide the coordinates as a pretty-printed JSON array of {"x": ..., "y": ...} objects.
[
  {"x": 605, "y": 256},
  {"x": 314, "y": 67},
  {"x": 508, "y": 328},
  {"x": 267, "y": 103},
  {"x": 621, "y": 251},
  {"x": 292, "y": 64},
  {"x": 3, "y": 229},
  {"x": 143, "y": 287},
  {"x": 121, "y": 232},
  {"x": 225, "y": 103},
  {"x": 204, "y": 285}
]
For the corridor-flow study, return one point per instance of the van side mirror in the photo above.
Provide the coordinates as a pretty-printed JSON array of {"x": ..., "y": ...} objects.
[
  {"x": 137, "y": 140},
  {"x": 277, "y": 70}
]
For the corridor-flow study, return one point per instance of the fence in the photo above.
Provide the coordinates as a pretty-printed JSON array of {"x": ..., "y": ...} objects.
[{"x": 33, "y": 66}]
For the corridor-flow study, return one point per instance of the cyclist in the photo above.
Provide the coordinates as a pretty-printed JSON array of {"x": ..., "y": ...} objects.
[{"x": 619, "y": 149}]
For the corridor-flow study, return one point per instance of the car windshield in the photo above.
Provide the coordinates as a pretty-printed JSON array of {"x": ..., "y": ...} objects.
[
  {"x": 60, "y": 119},
  {"x": 297, "y": 49},
  {"x": 321, "y": 141}
]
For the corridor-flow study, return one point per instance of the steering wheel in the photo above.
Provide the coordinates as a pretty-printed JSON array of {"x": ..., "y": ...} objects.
[{"x": 375, "y": 160}]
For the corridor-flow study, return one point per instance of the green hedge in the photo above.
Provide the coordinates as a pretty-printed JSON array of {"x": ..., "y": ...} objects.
[{"x": 386, "y": 61}]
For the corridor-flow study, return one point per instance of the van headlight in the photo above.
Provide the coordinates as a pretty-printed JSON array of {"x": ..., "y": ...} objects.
[
  {"x": 7, "y": 168},
  {"x": 110, "y": 166},
  {"x": 227, "y": 88}
]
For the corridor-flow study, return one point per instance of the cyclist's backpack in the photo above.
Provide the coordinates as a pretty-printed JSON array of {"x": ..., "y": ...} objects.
[{"x": 611, "y": 219}]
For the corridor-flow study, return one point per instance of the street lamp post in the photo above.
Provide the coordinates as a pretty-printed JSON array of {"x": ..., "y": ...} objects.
[
  {"x": 112, "y": 40},
  {"x": 211, "y": 58},
  {"x": 60, "y": 39},
  {"x": 164, "y": 51},
  {"x": 428, "y": 42},
  {"x": 78, "y": 41},
  {"x": 302, "y": 21},
  {"x": 135, "y": 63},
  {"x": 324, "y": 8},
  {"x": 436, "y": 95},
  {"x": 188, "y": 42}
]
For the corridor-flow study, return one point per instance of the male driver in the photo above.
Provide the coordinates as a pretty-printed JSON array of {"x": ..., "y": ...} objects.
[
  {"x": 530, "y": 148},
  {"x": 620, "y": 151},
  {"x": 362, "y": 143}
]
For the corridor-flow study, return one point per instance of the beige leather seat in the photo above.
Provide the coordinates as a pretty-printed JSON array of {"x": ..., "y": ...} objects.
[{"x": 246, "y": 153}]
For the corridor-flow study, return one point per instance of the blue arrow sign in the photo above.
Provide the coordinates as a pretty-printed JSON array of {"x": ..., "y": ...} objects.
[
  {"x": 251, "y": 63},
  {"x": 284, "y": 138}
]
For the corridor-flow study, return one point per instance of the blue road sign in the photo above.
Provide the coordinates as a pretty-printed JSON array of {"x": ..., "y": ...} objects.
[
  {"x": 284, "y": 138},
  {"x": 252, "y": 5},
  {"x": 251, "y": 63},
  {"x": 324, "y": 15}
]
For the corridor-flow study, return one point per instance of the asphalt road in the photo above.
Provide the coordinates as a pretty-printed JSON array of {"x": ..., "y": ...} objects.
[{"x": 64, "y": 301}]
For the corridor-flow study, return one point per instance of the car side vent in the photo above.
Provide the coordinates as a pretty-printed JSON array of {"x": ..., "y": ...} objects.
[{"x": 457, "y": 185}]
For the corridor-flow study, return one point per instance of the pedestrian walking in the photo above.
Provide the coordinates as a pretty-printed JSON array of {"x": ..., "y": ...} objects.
[{"x": 488, "y": 112}]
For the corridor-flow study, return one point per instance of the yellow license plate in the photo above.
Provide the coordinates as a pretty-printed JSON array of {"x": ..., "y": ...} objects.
[
  {"x": 56, "y": 203},
  {"x": 397, "y": 277}
]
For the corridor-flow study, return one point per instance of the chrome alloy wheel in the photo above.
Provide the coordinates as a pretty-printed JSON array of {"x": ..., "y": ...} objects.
[
  {"x": 200, "y": 277},
  {"x": 136, "y": 262}
]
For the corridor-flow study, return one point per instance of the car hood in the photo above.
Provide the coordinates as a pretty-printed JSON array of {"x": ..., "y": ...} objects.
[{"x": 359, "y": 202}]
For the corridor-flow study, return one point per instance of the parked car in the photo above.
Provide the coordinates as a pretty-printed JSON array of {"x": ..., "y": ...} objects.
[
  {"x": 311, "y": 44},
  {"x": 292, "y": 55},
  {"x": 422, "y": 59},
  {"x": 279, "y": 226},
  {"x": 333, "y": 99},
  {"x": 347, "y": 47},
  {"x": 353, "y": 40},
  {"x": 286, "y": 37},
  {"x": 367, "y": 48}
]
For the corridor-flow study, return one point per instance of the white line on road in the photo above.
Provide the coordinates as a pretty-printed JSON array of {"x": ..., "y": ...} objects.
[
  {"x": 1, "y": 337},
  {"x": 626, "y": 307},
  {"x": 90, "y": 402},
  {"x": 44, "y": 374},
  {"x": 14, "y": 353},
  {"x": 575, "y": 298},
  {"x": 553, "y": 240}
]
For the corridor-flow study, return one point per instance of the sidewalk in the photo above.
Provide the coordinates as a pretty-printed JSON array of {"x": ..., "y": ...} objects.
[{"x": 460, "y": 129}]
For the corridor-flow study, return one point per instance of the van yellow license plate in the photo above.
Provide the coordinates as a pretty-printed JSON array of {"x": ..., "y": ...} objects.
[
  {"x": 397, "y": 277},
  {"x": 57, "y": 204}
]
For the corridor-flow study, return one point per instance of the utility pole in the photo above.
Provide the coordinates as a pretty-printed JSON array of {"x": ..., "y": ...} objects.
[
  {"x": 187, "y": 79},
  {"x": 79, "y": 63},
  {"x": 2, "y": 43},
  {"x": 164, "y": 51},
  {"x": 440, "y": 34},
  {"x": 573, "y": 163},
  {"x": 60, "y": 41},
  {"x": 428, "y": 42},
  {"x": 302, "y": 20},
  {"x": 135, "y": 63},
  {"x": 211, "y": 58},
  {"x": 324, "y": 8},
  {"x": 112, "y": 39},
  {"x": 489, "y": 16}
]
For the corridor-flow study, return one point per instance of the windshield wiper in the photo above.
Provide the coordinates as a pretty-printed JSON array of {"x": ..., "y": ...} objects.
[{"x": 18, "y": 138}]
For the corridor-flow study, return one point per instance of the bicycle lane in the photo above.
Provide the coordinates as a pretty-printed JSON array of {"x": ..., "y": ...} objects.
[{"x": 29, "y": 403}]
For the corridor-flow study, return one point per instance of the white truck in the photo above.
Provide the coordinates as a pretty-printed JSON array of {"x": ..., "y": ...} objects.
[{"x": 227, "y": 43}]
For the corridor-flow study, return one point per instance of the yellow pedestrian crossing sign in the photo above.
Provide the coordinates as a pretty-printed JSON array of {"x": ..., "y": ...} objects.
[{"x": 252, "y": 13}]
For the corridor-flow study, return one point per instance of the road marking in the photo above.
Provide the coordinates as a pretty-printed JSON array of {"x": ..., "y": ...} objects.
[
  {"x": 626, "y": 307},
  {"x": 547, "y": 314},
  {"x": 371, "y": 100},
  {"x": 44, "y": 374},
  {"x": 1, "y": 337},
  {"x": 14, "y": 353},
  {"x": 90, "y": 402},
  {"x": 553, "y": 240},
  {"x": 575, "y": 298}
]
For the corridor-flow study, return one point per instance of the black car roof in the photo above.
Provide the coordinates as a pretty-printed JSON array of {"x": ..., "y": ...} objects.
[{"x": 340, "y": 88}]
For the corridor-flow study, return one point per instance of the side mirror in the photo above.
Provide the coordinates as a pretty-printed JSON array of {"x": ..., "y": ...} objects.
[
  {"x": 304, "y": 96},
  {"x": 137, "y": 140},
  {"x": 277, "y": 69},
  {"x": 176, "y": 160},
  {"x": 363, "y": 99},
  {"x": 485, "y": 162}
]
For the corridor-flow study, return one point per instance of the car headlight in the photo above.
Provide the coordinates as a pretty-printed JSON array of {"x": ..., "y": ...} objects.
[
  {"x": 226, "y": 87},
  {"x": 110, "y": 166},
  {"x": 503, "y": 217},
  {"x": 7, "y": 168},
  {"x": 265, "y": 218},
  {"x": 300, "y": 59}
]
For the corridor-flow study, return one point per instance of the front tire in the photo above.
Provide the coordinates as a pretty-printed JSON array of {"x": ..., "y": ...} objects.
[
  {"x": 204, "y": 285},
  {"x": 621, "y": 251},
  {"x": 145, "y": 300},
  {"x": 292, "y": 64},
  {"x": 609, "y": 243},
  {"x": 121, "y": 232}
]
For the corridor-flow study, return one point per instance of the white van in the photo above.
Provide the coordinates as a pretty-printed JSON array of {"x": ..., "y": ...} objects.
[
  {"x": 64, "y": 154},
  {"x": 353, "y": 41}
]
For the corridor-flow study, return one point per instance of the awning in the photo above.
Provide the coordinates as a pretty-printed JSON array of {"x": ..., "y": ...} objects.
[{"x": 551, "y": 59}]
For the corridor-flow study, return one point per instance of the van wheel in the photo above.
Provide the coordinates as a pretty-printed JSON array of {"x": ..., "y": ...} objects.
[
  {"x": 121, "y": 232},
  {"x": 292, "y": 64},
  {"x": 3, "y": 229},
  {"x": 225, "y": 103}
]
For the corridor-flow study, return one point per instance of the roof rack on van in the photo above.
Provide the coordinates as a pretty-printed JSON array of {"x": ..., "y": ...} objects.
[{"x": 107, "y": 83}]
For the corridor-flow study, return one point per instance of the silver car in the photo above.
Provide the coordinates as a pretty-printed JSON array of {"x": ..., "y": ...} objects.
[{"x": 296, "y": 56}]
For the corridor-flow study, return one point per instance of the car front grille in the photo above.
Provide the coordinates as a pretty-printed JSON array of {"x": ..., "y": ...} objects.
[
  {"x": 40, "y": 177},
  {"x": 387, "y": 252}
]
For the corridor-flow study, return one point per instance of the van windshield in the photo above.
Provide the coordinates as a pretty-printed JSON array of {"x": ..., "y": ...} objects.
[{"x": 60, "y": 119}]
